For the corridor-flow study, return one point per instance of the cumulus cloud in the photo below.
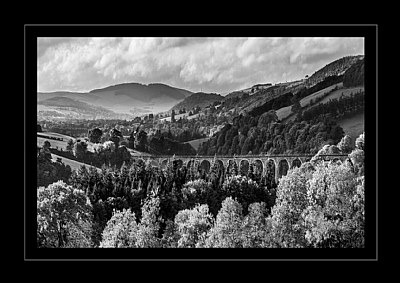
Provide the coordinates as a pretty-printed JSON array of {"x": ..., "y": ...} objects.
[{"x": 209, "y": 64}]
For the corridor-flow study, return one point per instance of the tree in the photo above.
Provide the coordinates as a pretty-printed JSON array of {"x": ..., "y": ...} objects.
[
  {"x": 345, "y": 144},
  {"x": 226, "y": 233},
  {"x": 70, "y": 145},
  {"x": 360, "y": 142},
  {"x": 192, "y": 226},
  {"x": 63, "y": 217},
  {"x": 142, "y": 141},
  {"x": 296, "y": 107},
  {"x": 131, "y": 140},
  {"x": 244, "y": 190},
  {"x": 46, "y": 145},
  {"x": 173, "y": 116},
  {"x": 255, "y": 228},
  {"x": 120, "y": 231},
  {"x": 147, "y": 235},
  {"x": 248, "y": 145},
  {"x": 267, "y": 118},
  {"x": 80, "y": 150},
  {"x": 95, "y": 135},
  {"x": 287, "y": 224},
  {"x": 334, "y": 216},
  {"x": 116, "y": 136},
  {"x": 357, "y": 156}
]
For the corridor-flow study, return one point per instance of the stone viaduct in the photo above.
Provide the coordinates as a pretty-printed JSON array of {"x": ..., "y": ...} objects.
[{"x": 277, "y": 164}]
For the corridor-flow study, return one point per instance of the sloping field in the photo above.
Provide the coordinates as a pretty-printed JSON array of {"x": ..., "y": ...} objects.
[
  {"x": 285, "y": 112},
  {"x": 196, "y": 143},
  {"x": 57, "y": 143},
  {"x": 72, "y": 163},
  {"x": 43, "y": 136},
  {"x": 56, "y": 135},
  {"x": 306, "y": 100},
  {"x": 337, "y": 93}
]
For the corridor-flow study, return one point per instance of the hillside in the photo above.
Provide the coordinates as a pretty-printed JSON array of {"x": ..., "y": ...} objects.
[
  {"x": 196, "y": 143},
  {"x": 354, "y": 76},
  {"x": 67, "y": 108},
  {"x": 330, "y": 74},
  {"x": 199, "y": 99},
  {"x": 335, "y": 68},
  {"x": 323, "y": 96}
]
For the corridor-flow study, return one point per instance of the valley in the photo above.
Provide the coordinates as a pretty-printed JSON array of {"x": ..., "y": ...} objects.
[{"x": 150, "y": 165}]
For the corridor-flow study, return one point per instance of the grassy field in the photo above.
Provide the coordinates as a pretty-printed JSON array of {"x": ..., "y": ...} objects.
[
  {"x": 72, "y": 163},
  {"x": 57, "y": 143},
  {"x": 285, "y": 112},
  {"x": 54, "y": 143},
  {"x": 306, "y": 100},
  {"x": 196, "y": 143},
  {"x": 56, "y": 135}
]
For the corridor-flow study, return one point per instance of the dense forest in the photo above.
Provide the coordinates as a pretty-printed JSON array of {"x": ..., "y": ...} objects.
[
  {"x": 354, "y": 76},
  {"x": 335, "y": 108},
  {"x": 144, "y": 206},
  {"x": 263, "y": 134}
]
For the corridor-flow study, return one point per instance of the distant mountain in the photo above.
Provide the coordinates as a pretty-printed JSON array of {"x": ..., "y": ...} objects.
[
  {"x": 145, "y": 93},
  {"x": 124, "y": 100},
  {"x": 64, "y": 102},
  {"x": 199, "y": 99},
  {"x": 335, "y": 68}
]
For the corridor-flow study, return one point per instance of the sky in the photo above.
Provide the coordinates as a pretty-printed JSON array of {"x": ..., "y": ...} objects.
[{"x": 214, "y": 64}]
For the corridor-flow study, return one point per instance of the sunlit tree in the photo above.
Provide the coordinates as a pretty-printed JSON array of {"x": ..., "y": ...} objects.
[{"x": 64, "y": 217}]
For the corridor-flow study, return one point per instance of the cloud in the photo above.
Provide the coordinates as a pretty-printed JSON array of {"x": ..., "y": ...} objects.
[{"x": 209, "y": 64}]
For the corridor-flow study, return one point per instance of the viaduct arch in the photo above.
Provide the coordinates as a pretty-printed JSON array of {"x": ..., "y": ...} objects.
[{"x": 273, "y": 167}]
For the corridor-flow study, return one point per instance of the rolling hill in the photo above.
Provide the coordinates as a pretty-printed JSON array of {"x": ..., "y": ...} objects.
[
  {"x": 122, "y": 101},
  {"x": 335, "y": 68},
  {"x": 199, "y": 99}
]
